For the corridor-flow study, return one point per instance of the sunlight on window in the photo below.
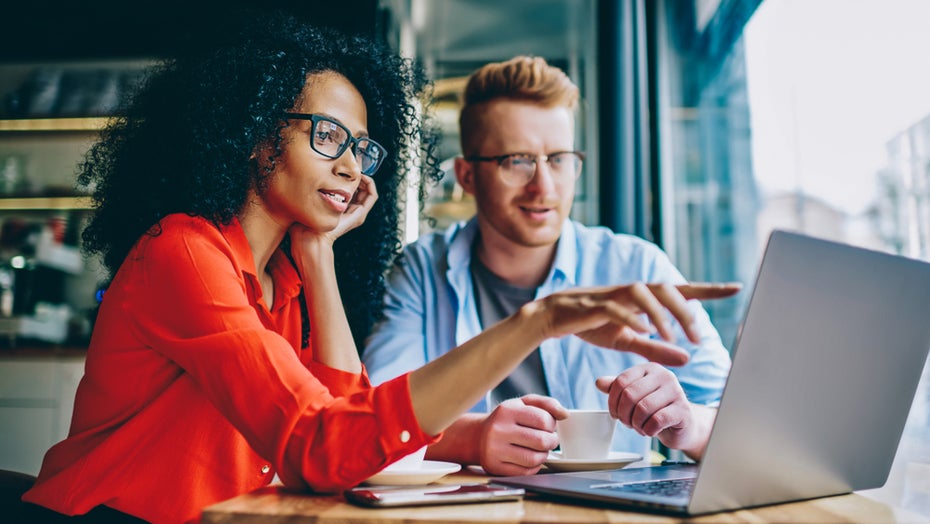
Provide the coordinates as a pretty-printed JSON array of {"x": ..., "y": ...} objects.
[
  {"x": 839, "y": 97},
  {"x": 807, "y": 115}
]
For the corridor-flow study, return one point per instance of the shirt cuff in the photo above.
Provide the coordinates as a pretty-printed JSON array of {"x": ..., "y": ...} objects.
[
  {"x": 339, "y": 382},
  {"x": 400, "y": 430}
]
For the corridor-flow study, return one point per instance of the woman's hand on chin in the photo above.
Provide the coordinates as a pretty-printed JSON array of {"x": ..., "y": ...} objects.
[
  {"x": 362, "y": 201},
  {"x": 304, "y": 239}
]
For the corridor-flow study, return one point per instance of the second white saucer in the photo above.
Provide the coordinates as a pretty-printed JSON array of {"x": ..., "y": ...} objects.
[
  {"x": 429, "y": 471},
  {"x": 616, "y": 459}
]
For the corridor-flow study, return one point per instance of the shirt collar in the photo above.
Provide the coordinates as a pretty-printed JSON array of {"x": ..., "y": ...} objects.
[
  {"x": 242, "y": 252},
  {"x": 286, "y": 278},
  {"x": 283, "y": 273},
  {"x": 565, "y": 264},
  {"x": 461, "y": 237}
]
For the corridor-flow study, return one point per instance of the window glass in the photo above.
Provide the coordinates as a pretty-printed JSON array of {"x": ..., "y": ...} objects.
[{"x": 807, "y": 115}]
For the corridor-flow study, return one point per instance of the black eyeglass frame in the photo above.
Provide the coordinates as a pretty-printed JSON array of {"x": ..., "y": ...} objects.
[{"x": 350, "y": 142}]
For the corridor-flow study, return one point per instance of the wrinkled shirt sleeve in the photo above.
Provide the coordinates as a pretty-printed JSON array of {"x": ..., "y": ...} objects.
[{"x": 322, "y": 428}]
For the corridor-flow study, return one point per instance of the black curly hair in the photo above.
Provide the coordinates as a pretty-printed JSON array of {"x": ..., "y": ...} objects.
[{"x": 183, "y": 142}]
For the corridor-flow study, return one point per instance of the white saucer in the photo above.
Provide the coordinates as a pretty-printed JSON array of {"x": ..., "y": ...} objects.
[
  {"x": 616, "y": 459},
  {"x": 429, "y": 471}
]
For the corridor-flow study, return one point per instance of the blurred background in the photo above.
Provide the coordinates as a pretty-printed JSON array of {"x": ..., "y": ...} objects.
[{"x": 707, "y": 123}]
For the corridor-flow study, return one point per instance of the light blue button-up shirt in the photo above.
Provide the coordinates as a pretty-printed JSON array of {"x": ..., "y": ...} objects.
[{"x": 430, "y": 308}]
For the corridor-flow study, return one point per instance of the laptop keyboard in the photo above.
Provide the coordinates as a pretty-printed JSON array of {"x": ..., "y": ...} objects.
[{"x": 665, "y": 488}]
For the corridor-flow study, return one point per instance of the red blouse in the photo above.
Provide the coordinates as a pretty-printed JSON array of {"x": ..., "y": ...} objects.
[{"x": 194, "y": 392}]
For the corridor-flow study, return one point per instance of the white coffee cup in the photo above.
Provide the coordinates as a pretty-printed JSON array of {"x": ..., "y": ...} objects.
[
  {"x": 411, "y": 462},
  {"x": 586, "y": 434}
]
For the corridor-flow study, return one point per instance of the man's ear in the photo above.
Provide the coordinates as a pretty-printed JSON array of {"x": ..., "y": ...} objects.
[{"x": 465, "y": 174}]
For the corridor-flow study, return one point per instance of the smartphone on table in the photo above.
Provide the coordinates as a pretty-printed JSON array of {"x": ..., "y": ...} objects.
[{"x": 387, "y": 497}]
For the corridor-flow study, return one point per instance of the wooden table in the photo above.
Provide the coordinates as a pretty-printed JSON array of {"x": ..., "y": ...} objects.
[{"x": 274, "y": 505}]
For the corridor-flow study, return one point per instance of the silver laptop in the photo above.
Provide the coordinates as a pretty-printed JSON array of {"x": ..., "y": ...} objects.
[{"x": 824, "y": 372}]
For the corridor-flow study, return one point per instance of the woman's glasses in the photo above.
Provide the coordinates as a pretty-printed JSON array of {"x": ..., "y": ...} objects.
[
  {"x": 517, "y": 169},
  {"x": 331, "y": 139}
]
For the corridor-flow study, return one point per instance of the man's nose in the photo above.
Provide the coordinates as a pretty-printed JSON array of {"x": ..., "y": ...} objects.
[{"x": 543, "y": 176}]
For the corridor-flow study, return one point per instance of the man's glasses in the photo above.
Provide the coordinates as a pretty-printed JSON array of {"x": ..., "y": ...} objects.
[
  {"x": 517, "y": 169},
  {"x": 331, "y": 139}
]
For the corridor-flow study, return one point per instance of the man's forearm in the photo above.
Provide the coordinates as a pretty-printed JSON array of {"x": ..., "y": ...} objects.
[{"x": 460, "y": 441}]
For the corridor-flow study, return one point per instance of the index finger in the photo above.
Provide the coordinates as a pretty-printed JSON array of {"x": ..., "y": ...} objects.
[
  {"x": 709, "y": 290},
  {"x": 659, "y": 351},
  {"x": 548, "y": 404}
]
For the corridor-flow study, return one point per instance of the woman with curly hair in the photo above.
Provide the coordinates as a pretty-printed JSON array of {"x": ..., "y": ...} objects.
[{"x": 247, "y": 206}]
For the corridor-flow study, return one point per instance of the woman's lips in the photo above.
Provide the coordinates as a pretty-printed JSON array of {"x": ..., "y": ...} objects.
[{"x": 338, "y": 200}]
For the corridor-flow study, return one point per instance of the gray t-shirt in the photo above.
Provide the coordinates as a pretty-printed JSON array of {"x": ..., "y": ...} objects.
[{"x": 497, "y": 300}]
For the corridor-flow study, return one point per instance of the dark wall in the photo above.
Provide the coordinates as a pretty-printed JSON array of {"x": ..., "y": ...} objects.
[{"x": 34, "y": 30}]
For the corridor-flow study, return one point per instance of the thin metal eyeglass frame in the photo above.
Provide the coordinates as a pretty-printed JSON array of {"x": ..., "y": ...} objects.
[
  {"x": 351, "y": 141},
  {"x": 500, "y": 159}
]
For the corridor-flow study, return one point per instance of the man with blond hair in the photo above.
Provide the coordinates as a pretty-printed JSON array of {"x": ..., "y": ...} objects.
[{"x": 520, "y": 164}]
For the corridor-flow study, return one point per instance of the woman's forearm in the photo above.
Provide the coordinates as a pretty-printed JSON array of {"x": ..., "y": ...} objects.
[
  {"x": 609, "y": 317},
  {"x": 330, "y": 334},
  {"x": 448, "y": 386}
]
